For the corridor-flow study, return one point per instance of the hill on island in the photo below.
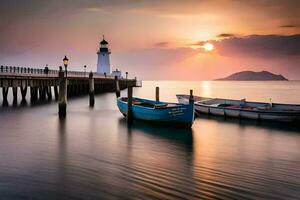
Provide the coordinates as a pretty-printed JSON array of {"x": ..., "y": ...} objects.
[{"x": 253, "y": 76}]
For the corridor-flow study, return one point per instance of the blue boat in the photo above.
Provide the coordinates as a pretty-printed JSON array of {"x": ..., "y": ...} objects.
[{"x": 176, "y": 114}]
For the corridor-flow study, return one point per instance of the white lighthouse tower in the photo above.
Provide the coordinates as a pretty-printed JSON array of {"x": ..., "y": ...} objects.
[{"x": 103, "y": 64}]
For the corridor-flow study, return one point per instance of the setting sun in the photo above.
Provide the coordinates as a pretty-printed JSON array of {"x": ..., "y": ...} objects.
[{"x": 208, "y": 46}]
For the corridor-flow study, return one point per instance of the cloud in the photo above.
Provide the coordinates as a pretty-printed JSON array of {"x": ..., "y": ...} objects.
[
  {"x": 200, "y": 43},
  {"x": 261, "y": 46},
  {"x": 290, "y": 26},
  {"x": 226, "y": 35},
  {"x": 94, "y": 9},
  {"x": 161, "y": 44}
]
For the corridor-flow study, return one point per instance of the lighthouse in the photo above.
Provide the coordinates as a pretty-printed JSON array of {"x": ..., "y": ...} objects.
[{"x": 103, "y": 64}]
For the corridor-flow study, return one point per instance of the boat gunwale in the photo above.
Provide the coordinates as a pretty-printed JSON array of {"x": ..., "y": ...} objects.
[
  {"x": 291, "y": 112},
  {"x": 254, "y": 102},
  {"x": 177, "y": 105},
  {"x": 255, "y": 111},
  {"x": 210, "y": 98}
]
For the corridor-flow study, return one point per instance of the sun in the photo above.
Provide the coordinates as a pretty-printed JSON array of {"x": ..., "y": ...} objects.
[{"x": 208, "y": 46}]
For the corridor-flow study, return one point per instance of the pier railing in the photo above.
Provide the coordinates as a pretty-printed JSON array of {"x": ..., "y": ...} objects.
[{"x": 39, "y": 72}]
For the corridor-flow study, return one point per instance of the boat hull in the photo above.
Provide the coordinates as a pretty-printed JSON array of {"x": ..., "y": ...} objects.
[
  {"x": 179, "y": 115},
  {"x": 270, "y": 115}
]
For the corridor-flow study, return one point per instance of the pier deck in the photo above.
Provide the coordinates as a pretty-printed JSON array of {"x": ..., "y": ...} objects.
[{"x": 41, "y": 82}]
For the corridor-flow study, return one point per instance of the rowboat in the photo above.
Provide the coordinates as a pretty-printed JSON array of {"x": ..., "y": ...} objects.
[
  {"x": 244, "y": 109},
  {"x": 175, "y": 114}
]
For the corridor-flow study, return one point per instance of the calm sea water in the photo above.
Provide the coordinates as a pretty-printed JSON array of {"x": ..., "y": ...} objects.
[{"x": 93, "y": 154}]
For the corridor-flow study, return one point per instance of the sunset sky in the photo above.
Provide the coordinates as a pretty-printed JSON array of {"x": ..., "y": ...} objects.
[{"x": 155, "y": 39}]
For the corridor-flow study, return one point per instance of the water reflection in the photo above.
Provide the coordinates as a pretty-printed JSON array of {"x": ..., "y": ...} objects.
[
  {"x": 23, "y": 102},
  {"x": 282, "y": 126},
  {"x": 61, "y": 158},
  {"x": 238, "y": 159},
  {"x": 93, "y": 154},
  {"x": 161, "y": 157},
  {"x": 182, "y": 137},
  {"x": 206, "y": 89}
]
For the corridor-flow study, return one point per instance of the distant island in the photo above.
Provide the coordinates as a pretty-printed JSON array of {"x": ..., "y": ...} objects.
[{"x": 253, "y": 76}]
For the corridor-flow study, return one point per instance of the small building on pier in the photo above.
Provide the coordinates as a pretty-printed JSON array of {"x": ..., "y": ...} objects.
[{"x": 117, "y": 73}]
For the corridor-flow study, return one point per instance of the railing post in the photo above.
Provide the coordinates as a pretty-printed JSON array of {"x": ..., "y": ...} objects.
[{"x": 91, "y": 89}]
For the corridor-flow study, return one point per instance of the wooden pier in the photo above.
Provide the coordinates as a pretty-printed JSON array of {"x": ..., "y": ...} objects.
[{"x": 42, "y": 82}]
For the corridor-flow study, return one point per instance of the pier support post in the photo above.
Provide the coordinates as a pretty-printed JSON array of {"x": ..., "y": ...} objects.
[
  {"x": 15, "y": 95},
  {"x": 191, "y": 102},
  {"x": 49, "y": 92},
  {"x": 129, "y": 105},
  {"x": 56, "y": 92},
  {"x": 157, "y": 94},
  {"x": 23, "y": 89},
  {"x": 91, "y": 89},
  {"x": 118, "y": 93},
  {"x": 23, "y": 93},
  {"x": 4, "y": 95},
  {"x": 191, "y": 96},
  {"x": 42, "y": 92},
  {"x": 33, "y": 94},
  {"x": 62, "y": 99}
]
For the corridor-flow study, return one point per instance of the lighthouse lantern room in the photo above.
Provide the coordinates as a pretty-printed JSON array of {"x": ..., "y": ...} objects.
[{"x": 103, "y": 64}]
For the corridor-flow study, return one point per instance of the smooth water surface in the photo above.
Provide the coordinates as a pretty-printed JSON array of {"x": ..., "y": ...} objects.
[{"x": 93, "y": 154}]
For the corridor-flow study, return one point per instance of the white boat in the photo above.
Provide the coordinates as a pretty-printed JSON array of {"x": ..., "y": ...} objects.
[{"x": 244, "y": 109}]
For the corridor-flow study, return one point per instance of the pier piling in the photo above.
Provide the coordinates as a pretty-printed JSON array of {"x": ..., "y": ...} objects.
[
  {"x": 157, "y": 94},
  {"x": 191, "y": 94},
  {"x": 33, "y": 94},
  {"x": 62, "y": 99},
  {"x": 91, "y": 90},
  {"x": 129, "y": 105},
  {"x": 49, "y": 92},
  {"x": 42, "y": 92},
  {"x": 4, "y": 95},
  {"x": 23, "y": 92},
  {"x": 118, "y": 93},
  {"x": 56, "y": 92},
  {"x": 15, "y": 95}
]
